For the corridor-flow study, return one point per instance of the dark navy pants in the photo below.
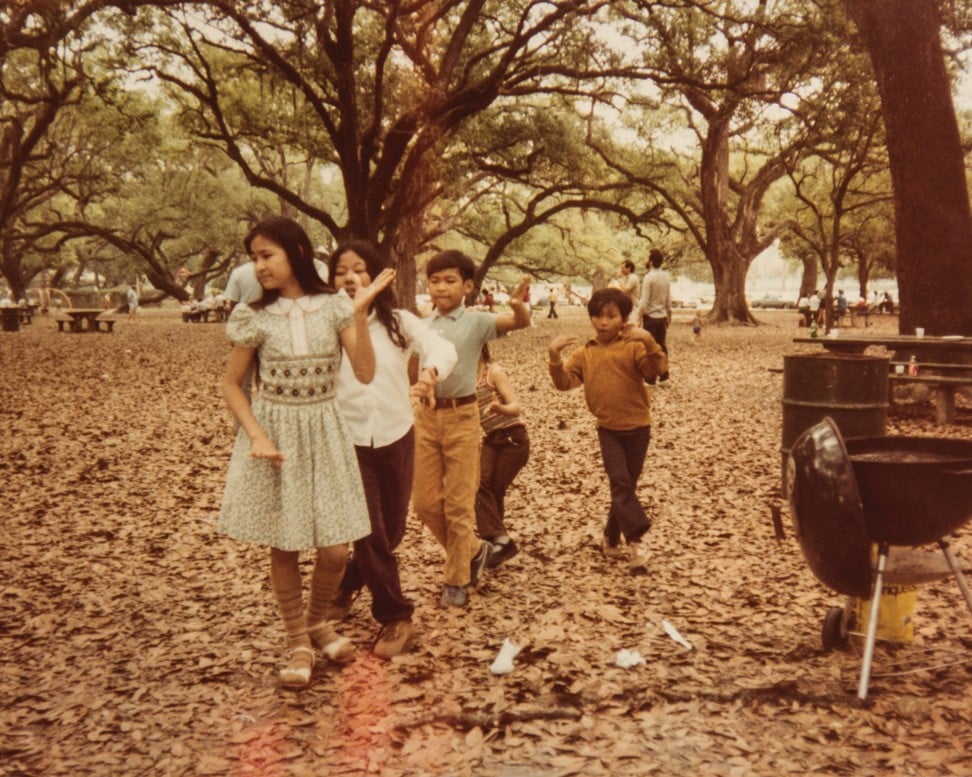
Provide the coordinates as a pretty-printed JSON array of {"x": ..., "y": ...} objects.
[
  {"x": 623, "y": 454},
  {"x": 386, "y": 474}
]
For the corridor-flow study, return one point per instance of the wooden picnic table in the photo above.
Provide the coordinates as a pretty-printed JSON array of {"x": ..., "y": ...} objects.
[
  {"x": 88, "y": 320},
  {"x": 944, "y": 364}
]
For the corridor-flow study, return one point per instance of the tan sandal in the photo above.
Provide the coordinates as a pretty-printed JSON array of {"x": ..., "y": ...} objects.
[
  {"x": 324, "y": 637},
  {"x": 297, "y": 674}
]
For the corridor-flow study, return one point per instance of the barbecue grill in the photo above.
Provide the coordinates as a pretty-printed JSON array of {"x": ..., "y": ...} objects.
[{"x": 883, "y": 491}]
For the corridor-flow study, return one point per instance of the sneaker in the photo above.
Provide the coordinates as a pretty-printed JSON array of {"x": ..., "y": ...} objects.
[
  {"x": 501, "y": 551},
  {"x": 453, "y": 596},
  {"x": 479, "y": 562},
  {"x": 609, "y": 550},
  {"x": 393, "y": 639},
  {"x": 637, "y": 558}
]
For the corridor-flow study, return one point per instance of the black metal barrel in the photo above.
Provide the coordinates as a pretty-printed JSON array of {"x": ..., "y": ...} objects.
[
  {"x": 851, "y": 389},
  {"x": 10, "y": 318}
]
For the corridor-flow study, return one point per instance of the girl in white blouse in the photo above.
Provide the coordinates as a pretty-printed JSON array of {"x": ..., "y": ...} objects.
[{"x": 380, "y": 417}]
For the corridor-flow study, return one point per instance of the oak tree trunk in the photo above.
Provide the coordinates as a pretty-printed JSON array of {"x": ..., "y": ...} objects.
[{"x": 933, "y": 221}]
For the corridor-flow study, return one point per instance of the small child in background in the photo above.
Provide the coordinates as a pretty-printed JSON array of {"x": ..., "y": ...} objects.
[
  {"x": 613, "y": 367},
  {"x": 505, "y": 451},
  {"x": 697, "y": 324}
]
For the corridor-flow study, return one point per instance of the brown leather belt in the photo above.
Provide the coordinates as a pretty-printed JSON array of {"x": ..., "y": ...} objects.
[{"x": 441, "y": 403}]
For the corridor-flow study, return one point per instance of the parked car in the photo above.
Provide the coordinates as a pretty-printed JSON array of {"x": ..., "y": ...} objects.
[{"x": 777, "y": 303}]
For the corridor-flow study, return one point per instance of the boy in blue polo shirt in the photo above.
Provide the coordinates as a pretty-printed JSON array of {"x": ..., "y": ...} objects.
[{"x": 447, "y": 433}]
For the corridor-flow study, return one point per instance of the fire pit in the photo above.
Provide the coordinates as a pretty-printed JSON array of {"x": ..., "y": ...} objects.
[{"x": 881, "y": 490}]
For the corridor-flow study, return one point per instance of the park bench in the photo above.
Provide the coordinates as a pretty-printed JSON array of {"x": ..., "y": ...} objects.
[
  {"x": 942, "y": 378},
  {"x": 106, "y": 321},
  {"x": 64, "y": 321}
]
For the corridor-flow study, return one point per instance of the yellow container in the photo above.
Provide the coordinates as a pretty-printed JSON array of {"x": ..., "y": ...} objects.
[{"x": 895, "y": 615}]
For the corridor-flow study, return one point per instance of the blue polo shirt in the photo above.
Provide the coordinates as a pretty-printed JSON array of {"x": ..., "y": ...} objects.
[{"x": 468, "y": 331}]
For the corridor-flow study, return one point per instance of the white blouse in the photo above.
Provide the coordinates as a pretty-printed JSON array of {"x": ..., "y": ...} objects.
[{"x": 380, "y": 412}]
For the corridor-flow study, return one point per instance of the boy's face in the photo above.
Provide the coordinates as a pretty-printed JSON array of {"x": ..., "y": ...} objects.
[
  {"x": 447, "y": 289},
  {"x": 608, "y": 323}
]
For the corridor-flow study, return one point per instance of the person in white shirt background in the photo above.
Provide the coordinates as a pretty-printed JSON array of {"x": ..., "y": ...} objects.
[{"x": 380, "y": 417}]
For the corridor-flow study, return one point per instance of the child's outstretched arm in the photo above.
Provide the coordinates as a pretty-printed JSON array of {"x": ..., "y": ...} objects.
[
  {"x": 355, "y": 339},
  {"x": 562, "y": 379},
  {"x": 521, "y": 313},
  {"x": 507, "y": 403},
  {"x": 261, "y": 446}
]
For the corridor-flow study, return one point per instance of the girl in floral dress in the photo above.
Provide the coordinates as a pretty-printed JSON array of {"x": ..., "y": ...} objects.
[{"x": 293, "y": 481}]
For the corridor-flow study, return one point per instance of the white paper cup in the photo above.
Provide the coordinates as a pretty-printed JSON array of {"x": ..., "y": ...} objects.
[
  {"x": 899, "y": 369},
  {"x": 919, "y": 331},
  {"x": 834, "y": 333}
]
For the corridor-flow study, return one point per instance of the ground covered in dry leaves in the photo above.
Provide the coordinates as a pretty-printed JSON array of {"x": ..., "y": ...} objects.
[{"x": 135, "y": 640}]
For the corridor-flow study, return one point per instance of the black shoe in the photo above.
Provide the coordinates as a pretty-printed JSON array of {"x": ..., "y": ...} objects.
[
  {"x": 479, "y": 562},
  {"x": 502, "y": 551}
]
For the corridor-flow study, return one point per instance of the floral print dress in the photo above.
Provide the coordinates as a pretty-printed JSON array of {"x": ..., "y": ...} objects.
[{"x": 315, "y": 498}]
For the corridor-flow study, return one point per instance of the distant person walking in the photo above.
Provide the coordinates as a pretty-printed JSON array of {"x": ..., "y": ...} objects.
[
  {"x": 655, "y": 305},
  {"x": 627, "y": 281},
  {"x": 132, "y": 303},
  {"x": 815, "y": 307}
]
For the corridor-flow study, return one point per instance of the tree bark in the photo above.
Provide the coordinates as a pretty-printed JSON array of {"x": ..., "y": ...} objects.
[{"x": 933, "y": 221}]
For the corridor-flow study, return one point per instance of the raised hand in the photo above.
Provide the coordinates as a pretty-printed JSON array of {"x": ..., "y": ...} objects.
[
  {"x": 519, "y": 292},
  {"x": 558, "y": 344},
  {"x": 635, "y": 333},
  {"x": 365, "y": 295}
]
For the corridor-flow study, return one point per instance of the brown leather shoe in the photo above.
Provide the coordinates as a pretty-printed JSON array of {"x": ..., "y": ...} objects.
[
  {"x": 611, "y": 551},
  {"x": 394, "y": 639}
]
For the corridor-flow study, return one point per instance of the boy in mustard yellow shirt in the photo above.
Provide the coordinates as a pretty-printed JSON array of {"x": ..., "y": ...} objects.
[{"x": 613, "y": 367}]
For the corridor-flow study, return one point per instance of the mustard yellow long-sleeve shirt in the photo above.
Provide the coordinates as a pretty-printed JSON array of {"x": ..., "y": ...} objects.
[{"x": 613, "y": 376}]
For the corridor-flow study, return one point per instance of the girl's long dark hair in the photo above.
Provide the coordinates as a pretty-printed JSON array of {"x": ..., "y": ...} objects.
[
  {"x": 385, "y": 303},
  {"x": 292, "y": 238}
]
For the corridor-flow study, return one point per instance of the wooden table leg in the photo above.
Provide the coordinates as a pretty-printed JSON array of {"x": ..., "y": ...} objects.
[{"x": 944, "y": 405}]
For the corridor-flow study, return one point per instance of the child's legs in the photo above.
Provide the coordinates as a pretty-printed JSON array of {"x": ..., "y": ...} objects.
[
  {"x": 460, "y": 478},
  {"x": 489, "y": 522},
  {"x": 386, "y": 474},
  {"x": 329, "y": 569},
  {"x": 396, "y": 470},
  {"x": 285, "y": 581},
  {"x": 427, "y": 496},
  {"x": 501, "y": 463},
  {"x": 623, "y": 454}
]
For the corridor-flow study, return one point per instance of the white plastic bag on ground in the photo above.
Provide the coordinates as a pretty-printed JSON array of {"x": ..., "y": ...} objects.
[{"x": 503, "y": 664}]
